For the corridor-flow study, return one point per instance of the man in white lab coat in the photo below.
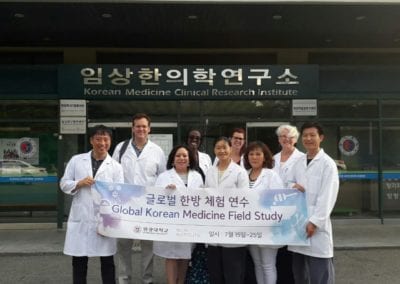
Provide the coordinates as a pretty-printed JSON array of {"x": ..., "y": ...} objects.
[
  {"x": 142, "y": 161},
  {"x": 316, "y": 175},
  {"x": 82, "y": 240}
]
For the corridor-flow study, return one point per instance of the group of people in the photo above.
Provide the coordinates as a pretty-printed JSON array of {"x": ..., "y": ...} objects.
[{"x": 140, "y": 161}]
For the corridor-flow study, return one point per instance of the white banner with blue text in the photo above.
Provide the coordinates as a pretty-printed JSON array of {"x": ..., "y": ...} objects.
[{"x": 204, "y": 215}]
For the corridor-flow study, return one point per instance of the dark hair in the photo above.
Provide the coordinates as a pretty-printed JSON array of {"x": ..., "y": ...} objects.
[
  {"x": 269, "y": 160},
  {"x": 171, "y": 157},
  {"x": 100, "y": 130},
  {"x": 140, "y": 116},
  {"x": 312, "y": 124},
  {"x": 223, "y": 138},
  {"x": 239, "y": 130}
]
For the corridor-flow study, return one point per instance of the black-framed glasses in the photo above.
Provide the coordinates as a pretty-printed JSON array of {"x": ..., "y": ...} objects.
[{"x": 238, "y": 138}]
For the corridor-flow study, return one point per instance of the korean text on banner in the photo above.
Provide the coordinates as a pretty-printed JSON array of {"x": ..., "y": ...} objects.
[{"x": 205, "y": 215}]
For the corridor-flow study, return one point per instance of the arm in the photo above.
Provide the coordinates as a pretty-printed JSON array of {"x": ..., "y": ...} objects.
[
  {"x": 68, "y": 182},
  {"x": 115, "y": 154},
  {"x": 243, "y": 179},
  {"x": 326, "y": 198}
]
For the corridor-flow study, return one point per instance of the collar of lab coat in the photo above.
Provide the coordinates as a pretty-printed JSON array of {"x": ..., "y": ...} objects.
[
  {"x": 316, "y": 158},
  {"x": 292, "y": 159},
  {"x": 147, "y": 149},
  {"x": 226, "y": 174},
  {"x": 88, "y": 163}
]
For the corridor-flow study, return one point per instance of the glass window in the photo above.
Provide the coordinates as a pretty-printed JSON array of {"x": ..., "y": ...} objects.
[
  {"x": 354, "y": 147},
  {"x": 390, "y": 108},
  {"x": 124, "y": 110},
  {"x": 247, "y": 110},
  {"x": 347, "y": 108},
  {"x": 25, "y": 110},
  {"x": 28, "y": 164},
  {"x": 391, "y": 168}
]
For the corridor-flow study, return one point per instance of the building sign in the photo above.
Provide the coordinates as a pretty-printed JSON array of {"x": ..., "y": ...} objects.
[
  {"x": 72, "y": 108},
  {"x": 72, "y": 125},
  {"x": 304, "y": 107},
  {"x": 72, "y": 116},
  {"x": 188, "y": 82}
]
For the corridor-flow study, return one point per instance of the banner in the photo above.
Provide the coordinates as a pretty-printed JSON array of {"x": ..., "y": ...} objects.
[{"x": 204, "y": 215}]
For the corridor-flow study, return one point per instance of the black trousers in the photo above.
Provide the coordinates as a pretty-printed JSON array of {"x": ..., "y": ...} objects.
[
  {"x": 79, "y": 269},
  {"x": 226, "y": 265},
  {"x": 284, "y": 266}
]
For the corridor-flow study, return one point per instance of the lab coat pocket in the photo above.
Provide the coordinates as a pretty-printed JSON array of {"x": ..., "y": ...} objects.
[{"x": 75, "y": 213}]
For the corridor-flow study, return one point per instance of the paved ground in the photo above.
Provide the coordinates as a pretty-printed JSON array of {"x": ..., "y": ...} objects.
[
  {"x": 366, "y": 266},
  {"x": 365, "y": 252}
]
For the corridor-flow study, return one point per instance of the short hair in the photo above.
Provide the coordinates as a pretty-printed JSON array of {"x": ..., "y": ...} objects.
[
  {"x": 171, "y": 157},
  {"x": 312, "y": 124},
  {"x": 100, "y": 130},
  {"x": 242, "y": 131},
  {"x": 239, "y": 130},
  {"x": 292, "y": 131},
  {"x": 140, "y": 116},
  {"x": 222, "y": 138},
  {"x": 269, "y": 160}
]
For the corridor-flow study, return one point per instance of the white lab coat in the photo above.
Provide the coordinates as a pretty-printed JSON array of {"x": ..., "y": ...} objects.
[
  {"x": 142, "y": 170},
  {"x": 284, "y": 171},
  {"x": 240, "y": 164},
  {"x": 320, "y": 180},
  {"x": 234, "y": 177},
  {"x": 204, "y": 161},
  {"x": 176, "y": 250},
  {"x": 82, "y": 238},
  {"x": 268, "y": 179}
]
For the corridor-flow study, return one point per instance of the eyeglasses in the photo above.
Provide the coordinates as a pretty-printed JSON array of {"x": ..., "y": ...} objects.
[
  {"x": 238, "y": 138},
  {"x": 285, "y": 137}
]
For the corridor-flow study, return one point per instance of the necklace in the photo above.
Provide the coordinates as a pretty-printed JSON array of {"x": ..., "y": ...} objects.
[{"x": 253, "y": 176}]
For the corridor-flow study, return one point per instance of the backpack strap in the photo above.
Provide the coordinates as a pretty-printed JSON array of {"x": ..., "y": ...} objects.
[{"x": 123, "y": 149}]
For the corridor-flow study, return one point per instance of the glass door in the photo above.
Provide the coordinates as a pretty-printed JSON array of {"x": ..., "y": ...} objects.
[{"x": 264, "y": 132}]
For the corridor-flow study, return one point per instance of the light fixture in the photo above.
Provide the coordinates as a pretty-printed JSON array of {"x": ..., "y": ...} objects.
[
  {"x": 106, "y": 15},
  {"x": 19, "y": 15},
  {"x": 277, "y": 17},
  {"x": 192, "y": 17},
  {"x": 360, "y": 18},
  {"x": 328, "y": 40}
]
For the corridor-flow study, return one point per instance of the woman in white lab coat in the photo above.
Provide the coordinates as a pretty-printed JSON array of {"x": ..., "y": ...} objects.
[
  {"x": 288, "y": 156},
  {"x": 181, "y": 174},
  {"x": 258, "y": 161},
  {"x": 284, "y": 162},
  {"x": 82, "y": 240},
  {"x": 226, "y": 263}
]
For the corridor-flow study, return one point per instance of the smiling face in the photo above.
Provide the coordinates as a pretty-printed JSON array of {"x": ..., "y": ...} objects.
[
  {"x": 237, "y": 140},
  {"x": 256, "y": 158},
  {"x": 101, "y": 144},
  {"x": 285, "y": 140},
  {"x": 140, "y": 129},
  {"x": 194, "y": 139},
  {"x": 311, "y": 139},
  {"x": 181, "y": 160},
  {"x": 222, "y": 150}
]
